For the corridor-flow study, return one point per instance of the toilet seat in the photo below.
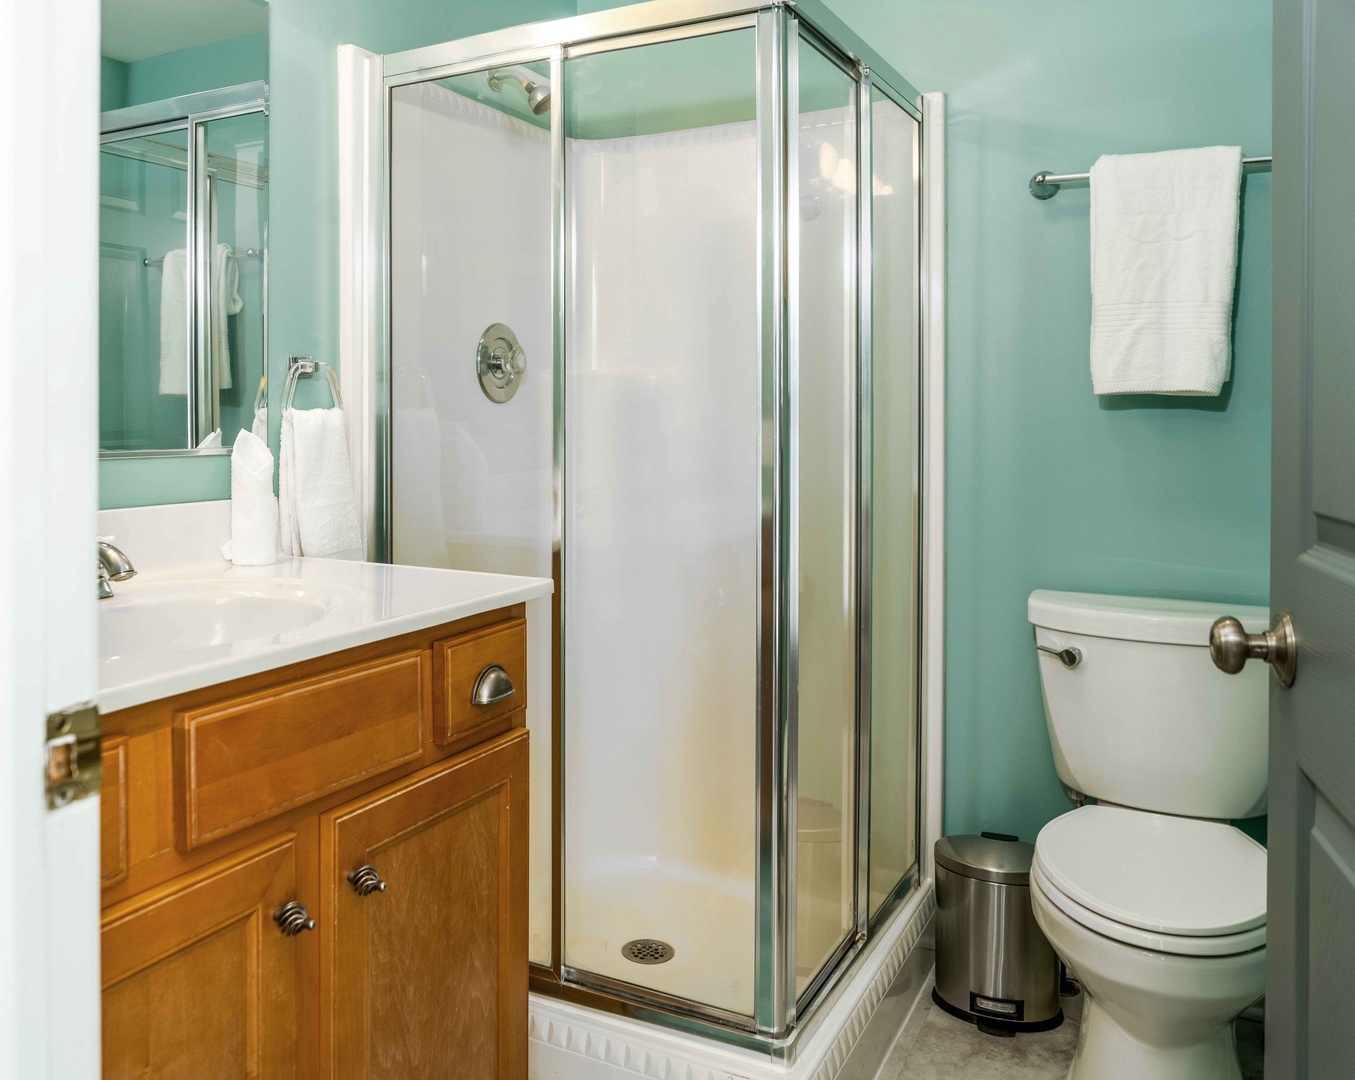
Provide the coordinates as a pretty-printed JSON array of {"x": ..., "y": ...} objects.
[
  {"x": 1172, "y": 944},
  {"x": 1143, "y": 877}
]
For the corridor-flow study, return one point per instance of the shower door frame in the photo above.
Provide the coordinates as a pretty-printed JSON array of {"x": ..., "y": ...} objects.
[{"x": 779, "y": 1014}]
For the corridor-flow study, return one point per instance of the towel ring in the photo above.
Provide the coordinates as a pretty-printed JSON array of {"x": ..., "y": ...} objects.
[
  {"x": 299, "y": 367},
  {"x": 261, "y": 396}
]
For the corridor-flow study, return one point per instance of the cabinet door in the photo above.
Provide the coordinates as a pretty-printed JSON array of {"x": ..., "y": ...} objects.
[
  {"x": 198, "y": 980},
  {"x": 427, "y": 977}
]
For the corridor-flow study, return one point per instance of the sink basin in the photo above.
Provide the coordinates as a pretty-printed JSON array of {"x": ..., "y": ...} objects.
[{"x": 184, "y": 616}]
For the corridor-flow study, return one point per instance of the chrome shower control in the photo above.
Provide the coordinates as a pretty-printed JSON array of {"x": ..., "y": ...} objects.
[{"x": 500, "y": 362}]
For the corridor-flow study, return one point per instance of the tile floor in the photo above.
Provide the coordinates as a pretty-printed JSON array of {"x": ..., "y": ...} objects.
[{"x": 933, "y": 1045}]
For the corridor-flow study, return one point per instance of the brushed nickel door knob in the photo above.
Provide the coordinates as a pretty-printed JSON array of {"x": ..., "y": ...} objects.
[
  {"x": 292, "y": 918},
  {"x": 1230, "y": 647},
  {"x": 365, "y": 881}
]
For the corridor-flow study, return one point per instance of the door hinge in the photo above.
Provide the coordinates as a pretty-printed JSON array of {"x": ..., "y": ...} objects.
[{"x": 74, "y": 756}]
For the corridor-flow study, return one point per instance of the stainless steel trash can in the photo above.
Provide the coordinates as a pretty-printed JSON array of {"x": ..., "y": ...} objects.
[{"x": 994, "y": 966}]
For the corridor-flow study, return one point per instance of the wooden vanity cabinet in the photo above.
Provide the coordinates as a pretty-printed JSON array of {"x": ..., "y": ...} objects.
[{"x": 228, "y": 804}]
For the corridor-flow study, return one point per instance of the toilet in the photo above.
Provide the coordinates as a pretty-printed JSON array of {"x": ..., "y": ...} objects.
[{"x": 1154, "y": 901}]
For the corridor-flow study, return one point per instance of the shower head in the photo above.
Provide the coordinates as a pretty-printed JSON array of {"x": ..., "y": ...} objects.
[{"x": 535, "y": 86}]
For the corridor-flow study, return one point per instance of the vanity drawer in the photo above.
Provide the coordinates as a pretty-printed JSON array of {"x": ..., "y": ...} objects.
[
  {"x": 240, "y": 761},
  {"x": 459, "y": 666}
]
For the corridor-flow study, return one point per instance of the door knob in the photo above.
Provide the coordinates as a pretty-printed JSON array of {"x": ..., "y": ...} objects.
[{"x": 1230, "y": 647}]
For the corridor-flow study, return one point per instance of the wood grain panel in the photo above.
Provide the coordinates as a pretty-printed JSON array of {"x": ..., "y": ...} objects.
[
  {"x": 457, "y": 664},
  {"x": 429, "y": 978},
  {"x": 113, "y": 813},
  {"x": 198, "y": 981},
  {"x": 244, "y": 760}
]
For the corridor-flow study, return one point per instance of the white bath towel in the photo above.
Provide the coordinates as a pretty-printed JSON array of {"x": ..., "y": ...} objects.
[
  {"x": 174, "y": 323},
  {"x": 1164, "y": 258},
  {"x": 318, "y": 514},
  {"x": 254, "y": 507}
]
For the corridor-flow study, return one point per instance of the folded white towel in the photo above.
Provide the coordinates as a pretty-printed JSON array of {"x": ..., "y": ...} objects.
[
  {"x": 1164, "y": 258},
  {"x": 254, "y": 507},
  {"x": 174, "y": 323},
  {"x": 318, "y": 513}
]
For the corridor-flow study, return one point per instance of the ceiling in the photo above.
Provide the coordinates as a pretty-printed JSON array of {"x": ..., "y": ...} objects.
[{"x": 136, "y": 29}]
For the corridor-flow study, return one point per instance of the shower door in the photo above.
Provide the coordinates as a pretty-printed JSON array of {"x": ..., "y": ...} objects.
[{"x": 662, "y": 518}]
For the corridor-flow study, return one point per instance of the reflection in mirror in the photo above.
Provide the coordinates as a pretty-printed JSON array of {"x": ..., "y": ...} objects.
[{"x": 183, "y": 226}]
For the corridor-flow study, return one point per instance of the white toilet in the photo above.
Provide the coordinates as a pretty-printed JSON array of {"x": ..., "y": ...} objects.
[{"x": 1153, "y": 900}]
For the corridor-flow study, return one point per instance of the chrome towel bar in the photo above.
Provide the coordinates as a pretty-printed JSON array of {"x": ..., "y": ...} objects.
[{"x": 1045, "y": 185}]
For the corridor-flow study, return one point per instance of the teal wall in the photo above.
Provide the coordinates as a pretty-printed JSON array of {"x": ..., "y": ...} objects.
[
  {"x": 112, "y": 84},
  {"x": 1047, "y": 485}
]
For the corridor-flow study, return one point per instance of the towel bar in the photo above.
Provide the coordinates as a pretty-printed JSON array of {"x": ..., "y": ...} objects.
[{"x": 1045, "y": 185}]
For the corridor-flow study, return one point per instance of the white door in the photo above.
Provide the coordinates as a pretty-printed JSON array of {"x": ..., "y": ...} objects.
[{"x": 49, "y": 859}]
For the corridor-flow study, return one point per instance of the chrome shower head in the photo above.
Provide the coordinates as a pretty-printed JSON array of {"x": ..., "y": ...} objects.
[{"x": 536, "y": 88}]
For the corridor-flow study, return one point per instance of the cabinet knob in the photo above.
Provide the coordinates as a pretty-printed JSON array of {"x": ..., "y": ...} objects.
[
  {"x": 292, "y": 918},
  {"x": 365, "y": 881},
  {"x": 492, "y": 686}
]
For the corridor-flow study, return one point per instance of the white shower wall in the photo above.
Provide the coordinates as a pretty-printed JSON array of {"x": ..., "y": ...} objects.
[{"x": 470, "y": 246}]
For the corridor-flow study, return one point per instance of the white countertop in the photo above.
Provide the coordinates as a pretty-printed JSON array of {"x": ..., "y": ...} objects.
[{"x": 193, "y": 626}]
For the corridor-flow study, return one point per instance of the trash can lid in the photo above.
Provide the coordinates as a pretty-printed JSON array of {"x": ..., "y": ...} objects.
[{"x": 1006, "y": 862}]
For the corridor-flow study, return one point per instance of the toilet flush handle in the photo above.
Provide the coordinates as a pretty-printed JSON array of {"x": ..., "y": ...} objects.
[
  {"x": 1230, "y": 647},
  {"x": 1069, "y": 657}
]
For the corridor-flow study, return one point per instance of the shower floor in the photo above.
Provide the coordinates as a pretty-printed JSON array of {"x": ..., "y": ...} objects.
[{"x": 708, "y": 921}]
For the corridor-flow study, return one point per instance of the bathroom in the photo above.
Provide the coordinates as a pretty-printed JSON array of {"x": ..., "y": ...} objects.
[{"x": 735, "y": 873}]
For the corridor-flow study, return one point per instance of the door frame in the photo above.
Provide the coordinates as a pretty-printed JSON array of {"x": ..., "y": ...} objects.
[{"x": 49, "y": 242}]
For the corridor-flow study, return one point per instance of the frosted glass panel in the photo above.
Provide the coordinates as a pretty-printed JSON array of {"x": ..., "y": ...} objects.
[
  {"x": 471, "y": 479},
  {"x": 662, "y": 516},
  {"x": 825, "y": 879},
  {"x": 894, "y": 506}
]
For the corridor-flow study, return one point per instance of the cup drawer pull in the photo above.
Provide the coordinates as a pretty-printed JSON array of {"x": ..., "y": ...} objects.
[{"x": 492, "y": 686}]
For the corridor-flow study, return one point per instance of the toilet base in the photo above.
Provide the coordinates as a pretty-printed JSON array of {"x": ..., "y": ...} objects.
[{"x": 1105, "y": 1051}]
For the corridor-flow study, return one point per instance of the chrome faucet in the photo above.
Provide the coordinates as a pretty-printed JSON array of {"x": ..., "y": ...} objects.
[{"x": 113, "y": 566}]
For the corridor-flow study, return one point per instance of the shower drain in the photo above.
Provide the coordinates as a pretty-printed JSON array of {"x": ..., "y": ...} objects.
[{"x": 647, "y": 951}]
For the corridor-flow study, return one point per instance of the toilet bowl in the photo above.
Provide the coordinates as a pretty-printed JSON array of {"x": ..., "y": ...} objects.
[
  {"x": 1162, "y": 920},
  {"x": 1154, "y": 902}
]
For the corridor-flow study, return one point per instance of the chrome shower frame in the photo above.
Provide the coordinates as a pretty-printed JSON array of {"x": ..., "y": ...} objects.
[{"x": 781, "y": 1017}]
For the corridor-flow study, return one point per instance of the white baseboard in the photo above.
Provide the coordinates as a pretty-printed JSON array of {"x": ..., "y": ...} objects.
[{"x": 569, "y": 1042}]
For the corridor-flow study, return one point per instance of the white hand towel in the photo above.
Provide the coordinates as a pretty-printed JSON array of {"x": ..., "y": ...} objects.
[
  {"x": 318, "y": 514},
  {"x": 226, "y": 302},
  {"x": 174, "y": 323},
  {"x": 254, "y": 507},
  {"x": 1164, "y": 258}
]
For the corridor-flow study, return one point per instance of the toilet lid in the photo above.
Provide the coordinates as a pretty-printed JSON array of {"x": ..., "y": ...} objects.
[{"x": 1157, "y": 872}]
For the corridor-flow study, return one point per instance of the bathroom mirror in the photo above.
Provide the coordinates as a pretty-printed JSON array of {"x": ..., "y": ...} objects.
[{"x": 183, "y": 226}]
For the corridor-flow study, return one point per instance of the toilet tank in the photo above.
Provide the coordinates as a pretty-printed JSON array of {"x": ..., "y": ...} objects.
[{"x": 1144, "y": 718}]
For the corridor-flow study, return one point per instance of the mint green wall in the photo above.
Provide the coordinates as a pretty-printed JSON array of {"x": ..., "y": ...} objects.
[{"x": 1047, "y": 486}]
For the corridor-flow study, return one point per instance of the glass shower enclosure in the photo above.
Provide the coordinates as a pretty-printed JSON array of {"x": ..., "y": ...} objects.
[{"x": 653, "y": 332}]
